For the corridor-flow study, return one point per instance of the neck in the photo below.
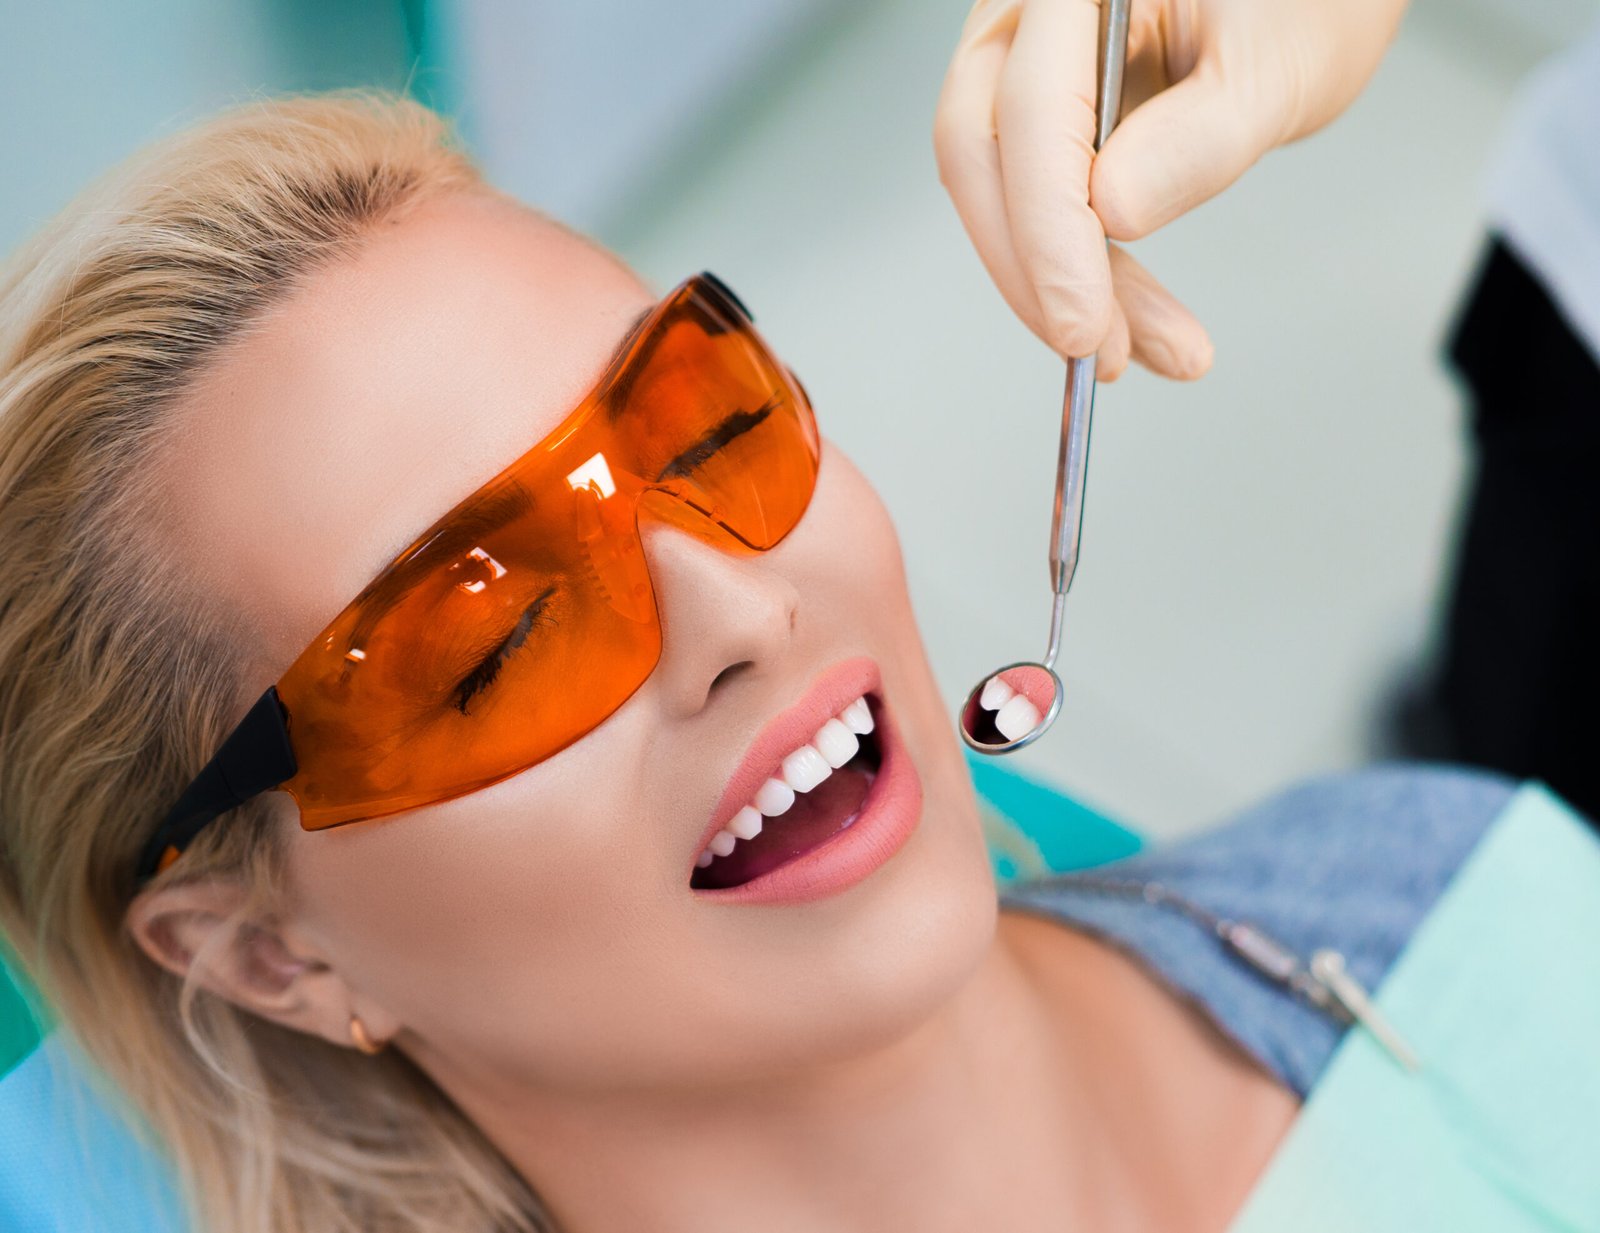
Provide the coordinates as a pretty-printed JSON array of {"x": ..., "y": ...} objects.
[{"x": 980, "y": 1112}]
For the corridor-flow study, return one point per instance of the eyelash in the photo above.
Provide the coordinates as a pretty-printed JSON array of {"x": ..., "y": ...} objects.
[
  {"x": 736, "y": 425},
  {"x": 481, "y": 677}
]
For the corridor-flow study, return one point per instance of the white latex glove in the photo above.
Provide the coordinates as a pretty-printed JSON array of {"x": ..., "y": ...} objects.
[{"x": 1211, "y": 85}]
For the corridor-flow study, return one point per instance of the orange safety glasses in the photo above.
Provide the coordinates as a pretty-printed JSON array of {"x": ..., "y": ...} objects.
[{"x": 525, "y": 616}]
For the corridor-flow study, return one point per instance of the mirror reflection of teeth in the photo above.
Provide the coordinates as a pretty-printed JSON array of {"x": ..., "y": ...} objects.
[
  {"x": 996, "y": 694},
  {"x": 1015, "y": 716},
  {"x": 834, "y": 744}
]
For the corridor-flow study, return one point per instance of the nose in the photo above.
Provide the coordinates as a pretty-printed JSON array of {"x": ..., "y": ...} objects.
[{"x": 722, "y": 615}]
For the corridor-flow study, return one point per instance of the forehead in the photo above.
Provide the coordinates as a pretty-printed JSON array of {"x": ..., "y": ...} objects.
[{"x": 382, "y": 391}]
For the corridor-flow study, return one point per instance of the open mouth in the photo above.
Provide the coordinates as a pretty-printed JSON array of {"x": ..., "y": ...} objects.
[{"x": 817, "y": 791}]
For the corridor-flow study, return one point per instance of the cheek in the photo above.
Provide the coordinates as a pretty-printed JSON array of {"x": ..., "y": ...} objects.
[
  {"x": 494, "y": 924},
  {"x": 845, "y": 555}
]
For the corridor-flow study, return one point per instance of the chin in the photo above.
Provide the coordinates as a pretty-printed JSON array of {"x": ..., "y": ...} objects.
[
  {"x": 938, "y": 927},
  {"x": 896, "y": 950}
]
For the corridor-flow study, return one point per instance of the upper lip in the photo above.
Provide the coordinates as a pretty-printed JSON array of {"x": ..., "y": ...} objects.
[{"x": 832, "y": 691}]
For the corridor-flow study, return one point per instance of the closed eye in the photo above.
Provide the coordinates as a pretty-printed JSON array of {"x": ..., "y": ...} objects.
[
  {"x": 735, "y": 425},
  {"x": 481, "y": 677}
]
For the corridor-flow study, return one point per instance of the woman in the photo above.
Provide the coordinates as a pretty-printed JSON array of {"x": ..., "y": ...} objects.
[{"x": 513, "y": 976}]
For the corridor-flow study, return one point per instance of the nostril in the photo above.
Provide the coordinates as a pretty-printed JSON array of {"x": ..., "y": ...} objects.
[{"x": 730, "y": 671}]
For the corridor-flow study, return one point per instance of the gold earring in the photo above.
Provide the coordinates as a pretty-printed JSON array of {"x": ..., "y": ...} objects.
[{"x": 358, "y": 1033}]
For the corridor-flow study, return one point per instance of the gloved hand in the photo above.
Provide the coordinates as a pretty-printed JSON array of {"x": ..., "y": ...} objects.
[{"x": 1211, "y": 85}]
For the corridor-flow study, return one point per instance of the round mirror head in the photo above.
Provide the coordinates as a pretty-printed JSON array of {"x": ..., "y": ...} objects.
[{"x": 1010, "y": 708}]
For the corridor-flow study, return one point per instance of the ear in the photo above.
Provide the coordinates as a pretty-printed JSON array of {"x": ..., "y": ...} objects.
[{"x": 260, "y": 964}]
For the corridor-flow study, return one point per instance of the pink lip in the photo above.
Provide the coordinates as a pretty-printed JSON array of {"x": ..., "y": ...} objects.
[{"x": 888, "y": 816}]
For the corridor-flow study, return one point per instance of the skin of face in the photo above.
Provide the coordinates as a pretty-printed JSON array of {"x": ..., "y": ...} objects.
[{"x": 538, "y": 938}]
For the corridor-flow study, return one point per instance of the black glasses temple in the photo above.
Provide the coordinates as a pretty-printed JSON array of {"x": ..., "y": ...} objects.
[{"x": 255, "y": 756}]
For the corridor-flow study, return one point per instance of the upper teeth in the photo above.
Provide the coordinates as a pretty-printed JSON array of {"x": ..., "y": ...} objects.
[
  {"x": 1015, "y": 716},
  {"x": 833, "y": 744}
]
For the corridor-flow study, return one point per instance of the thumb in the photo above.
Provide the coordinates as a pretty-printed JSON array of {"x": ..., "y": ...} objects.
[{"x": 1179, "y": 148}]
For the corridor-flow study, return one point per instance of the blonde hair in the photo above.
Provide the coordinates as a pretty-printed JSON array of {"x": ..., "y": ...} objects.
[{"x": 117, "y": 683}]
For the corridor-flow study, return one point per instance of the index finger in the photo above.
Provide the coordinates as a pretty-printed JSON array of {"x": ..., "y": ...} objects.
[
  {"x": 969, "y": 159},
  {"x": 1045, "y": 122}
]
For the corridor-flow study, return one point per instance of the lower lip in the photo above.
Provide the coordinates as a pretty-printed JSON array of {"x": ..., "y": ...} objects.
[{"x": 891, "y": 811}]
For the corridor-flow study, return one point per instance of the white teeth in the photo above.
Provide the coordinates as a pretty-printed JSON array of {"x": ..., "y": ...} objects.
[
  {"x": 996, "y": 694},
  {"x": 857, "y": 717},
  {"x": 805, "y": 768},
  {"x": 774, "y": 797},
  {"x": 836, "y": 743},
  {"x": 746, "y": 824},
  {"x": 1016, "y": 718}
]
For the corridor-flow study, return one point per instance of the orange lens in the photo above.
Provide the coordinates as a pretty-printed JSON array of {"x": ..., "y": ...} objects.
[{"x": 525, "y": 616}]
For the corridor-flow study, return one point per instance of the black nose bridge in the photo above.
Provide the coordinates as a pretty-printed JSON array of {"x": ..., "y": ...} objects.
[{"x": 727, "y": 293}]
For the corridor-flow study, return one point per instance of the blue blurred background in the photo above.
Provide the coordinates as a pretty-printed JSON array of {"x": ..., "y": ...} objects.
[{"x": 1262, "y": 550}]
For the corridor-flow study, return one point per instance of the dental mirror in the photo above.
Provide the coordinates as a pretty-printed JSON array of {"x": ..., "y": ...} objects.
[
  {"x": 1011, "y": 708},
  {"x": 1014, "y": 706}
]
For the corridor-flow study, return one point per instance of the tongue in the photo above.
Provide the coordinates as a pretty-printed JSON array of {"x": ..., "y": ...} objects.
[{"x": 815, "y": 817}]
